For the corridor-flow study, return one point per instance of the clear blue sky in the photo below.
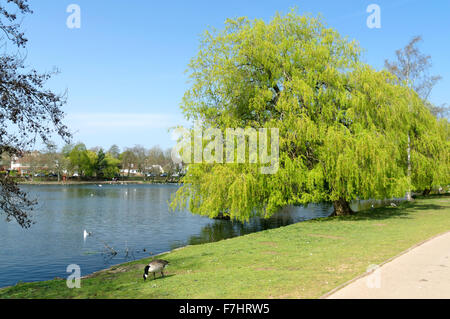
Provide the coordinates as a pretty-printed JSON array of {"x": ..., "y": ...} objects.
[{"x": 124, "y": 68}]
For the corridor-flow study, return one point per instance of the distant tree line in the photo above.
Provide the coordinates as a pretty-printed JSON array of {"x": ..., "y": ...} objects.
[{"x": 78, "y": 160}]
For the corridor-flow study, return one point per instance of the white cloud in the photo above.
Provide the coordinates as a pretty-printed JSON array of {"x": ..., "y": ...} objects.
[{"x": 95, "y": 121}]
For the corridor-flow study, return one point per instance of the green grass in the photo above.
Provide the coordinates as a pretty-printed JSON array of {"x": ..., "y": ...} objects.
[{"x": 303, "y": 260}]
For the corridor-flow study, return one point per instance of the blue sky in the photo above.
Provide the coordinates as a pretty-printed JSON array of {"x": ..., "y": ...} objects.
[{"x": 124, "y": 68}]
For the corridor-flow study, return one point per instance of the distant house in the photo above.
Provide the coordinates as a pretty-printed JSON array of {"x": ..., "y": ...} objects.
[
  {"x": 135, "y": 172},
  {"x": 18, "y": 165},
  {"x": 4, "y": 165},
  {"x": 23, "y": 164},
  {"x": 155, "y": 168},
  {"x": 126, "y": 171},
  {"x": 129, "y": 171}
]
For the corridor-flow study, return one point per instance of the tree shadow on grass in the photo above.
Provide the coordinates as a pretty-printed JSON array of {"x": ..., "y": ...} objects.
[
  {"x": 432, "y": 196},
  {"x": 403, "y": 211},
  {"x": 381, "y": 213},
  {"x": 429, "y": 207}
]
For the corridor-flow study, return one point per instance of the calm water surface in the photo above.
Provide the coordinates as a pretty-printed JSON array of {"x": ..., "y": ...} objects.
[{"x": 128, "y": 218}]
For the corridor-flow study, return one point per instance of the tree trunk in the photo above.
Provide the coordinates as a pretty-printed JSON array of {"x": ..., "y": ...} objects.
[
  {"x": 222, "y": 216},
  {"x": 426, "y": 192},
  {"x": 408, "y": 193},
  {"x": 341, "y": 208}
]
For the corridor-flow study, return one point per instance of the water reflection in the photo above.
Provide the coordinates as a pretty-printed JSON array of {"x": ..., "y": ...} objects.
[
  {"x": 134, "y": 220},
  {"x": 222, "y": 229}
]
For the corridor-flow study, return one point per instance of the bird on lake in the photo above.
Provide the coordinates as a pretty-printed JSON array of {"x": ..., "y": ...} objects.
[
  {"x": 86, "y": 233},
  {"x": 155, "y": 266}
]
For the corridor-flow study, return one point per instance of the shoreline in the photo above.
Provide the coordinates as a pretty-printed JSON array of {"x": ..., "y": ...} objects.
[
  {"x": 97, "y": 272},
  {"x": 96, "y": 182},
  {"x": 316, "y": 257}
]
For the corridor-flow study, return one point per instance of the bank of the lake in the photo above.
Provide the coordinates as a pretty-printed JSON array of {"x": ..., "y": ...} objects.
[
  {"x": 98, "y": 182},
  {"x": 303, "y": 260},
  {"x": 134, "y": 220}
]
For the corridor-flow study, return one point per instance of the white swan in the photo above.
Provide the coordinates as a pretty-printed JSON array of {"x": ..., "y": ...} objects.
[{"x": 86, "y": 234}]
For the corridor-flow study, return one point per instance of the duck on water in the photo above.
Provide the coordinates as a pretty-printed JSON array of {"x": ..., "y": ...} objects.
[{"x": 155, "y": 266}]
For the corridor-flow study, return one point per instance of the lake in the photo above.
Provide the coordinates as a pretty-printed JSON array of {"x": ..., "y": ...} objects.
[{"x": 134, "y": 220}]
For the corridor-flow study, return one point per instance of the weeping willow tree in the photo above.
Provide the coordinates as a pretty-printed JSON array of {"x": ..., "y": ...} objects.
[
  {"x": 430, "y": 154},
  {"x": 342, "y": 125}
]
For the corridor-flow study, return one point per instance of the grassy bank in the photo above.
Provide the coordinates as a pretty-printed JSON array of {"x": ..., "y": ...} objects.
[{"x": 303, "y": 260}]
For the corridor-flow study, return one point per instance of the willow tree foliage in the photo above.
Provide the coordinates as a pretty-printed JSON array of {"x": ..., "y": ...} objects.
[
  {"x": 430, "y": 155},
  {"x": 412, "y": 68},
  {"x": 342, "y": 124},
  {"x": 429, "y": 149}
]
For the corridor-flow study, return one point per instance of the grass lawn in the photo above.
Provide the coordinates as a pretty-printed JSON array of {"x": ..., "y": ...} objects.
[{"x": 303, "y": 260}]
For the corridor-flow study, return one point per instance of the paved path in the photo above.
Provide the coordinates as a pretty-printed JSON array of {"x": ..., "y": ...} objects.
[{"x": 422, "y": 272}]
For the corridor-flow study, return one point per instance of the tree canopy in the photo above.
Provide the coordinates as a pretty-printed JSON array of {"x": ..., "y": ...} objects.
[
  {"x": 428, "y": 141},
  {"x": 95, "y": 162},
  {"x": 343, "y": 126}
]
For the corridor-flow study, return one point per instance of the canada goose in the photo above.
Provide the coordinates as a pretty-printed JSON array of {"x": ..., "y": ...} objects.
[{"x": 155, "y": 266}]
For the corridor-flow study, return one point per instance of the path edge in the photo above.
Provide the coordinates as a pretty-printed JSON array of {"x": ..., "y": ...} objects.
[{"x": 341, "y": 286}]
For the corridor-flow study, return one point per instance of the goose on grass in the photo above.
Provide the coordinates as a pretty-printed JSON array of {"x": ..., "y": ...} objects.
[{"x": 155, "y": 266}]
